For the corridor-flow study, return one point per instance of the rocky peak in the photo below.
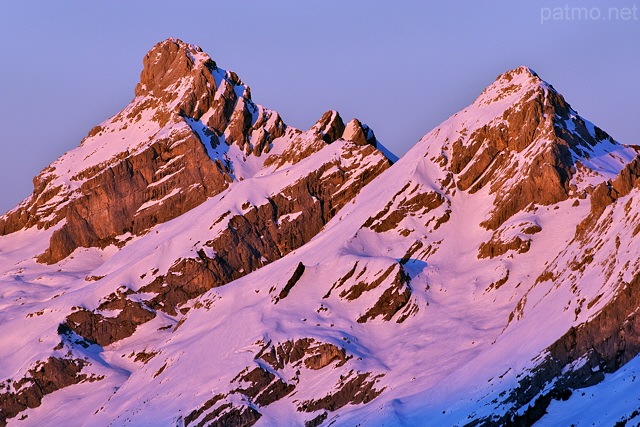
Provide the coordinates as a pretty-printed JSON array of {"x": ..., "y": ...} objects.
[
  {"x": 184, "y": 104},
  {"x": 512, "y": 84},
  {"x": 169, "y": 61},
  {"x": 522, "y": 72},
  {"x": 359, "y": 133},
  {"x": 330, "y": 126},
  {"x": 508, "y": 116},
  {"x": 521, "y": 88},
  {"x": 522, "y": 140},
  {"x": 184, "y": 82}
]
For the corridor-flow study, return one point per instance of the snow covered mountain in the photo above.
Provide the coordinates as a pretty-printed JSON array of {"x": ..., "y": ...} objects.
[{"x": 196, "y": 261}]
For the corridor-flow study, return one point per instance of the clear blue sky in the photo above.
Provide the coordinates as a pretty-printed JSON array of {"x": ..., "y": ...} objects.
[{"x": 401, "y": 67}]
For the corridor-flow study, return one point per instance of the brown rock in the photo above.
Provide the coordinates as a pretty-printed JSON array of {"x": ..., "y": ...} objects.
[
  {"x": 196, "y": 413},
  {"x": 228, "y": 415},
  {"x": 297, "y": 274},
  {"x": 258, "y": 379},
  {"x": 274, "y": 392},
  {"x": 496, "y": 247},
  {"x": 315, "y": 355},
  {"x": 96, "y": 328},
  {"x": 113, "y": 196},
  {"x": 357, "y": 390},
  {"x": 330, "y": 126},
  {"x": 239, "y": 125},
  {"x": 45, "y": 378},
  {"x": 288, "y": 352},
  {"x": 355, "y": 132},
  {"x": 166, "y": 63},
  {"x": 323, "y": 355},
  {"x": 419, "y": 204},
  {"x": 315, "y": 422},
  {"x": 394, "y": 298}
]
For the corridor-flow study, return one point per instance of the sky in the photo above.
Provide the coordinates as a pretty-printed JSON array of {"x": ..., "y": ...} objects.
[{"x": 402, "y": 67}]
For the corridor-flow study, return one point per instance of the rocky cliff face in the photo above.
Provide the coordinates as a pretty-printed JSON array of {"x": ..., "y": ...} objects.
[
  {"x": 169, "y": 153},
  {"x": 155, "y": 157},
  {"x": 195, "y": 261}
]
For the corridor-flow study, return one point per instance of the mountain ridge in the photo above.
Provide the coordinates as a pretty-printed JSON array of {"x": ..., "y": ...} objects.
[{"x": 313, "y": 281}]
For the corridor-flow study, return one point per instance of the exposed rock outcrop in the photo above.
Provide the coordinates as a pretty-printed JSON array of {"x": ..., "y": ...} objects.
[
  {"x": 314, "y": 355},
  {"x": 403, "y": 204},
  {"x": 359, "y": 133},
  {"x": 44, "y": 378},
  {"x": 356, "y": 389},
  {"x": 392, "y": 286},
  {"x": 222, "y": 415},
  {"x": 263, "y": 385},
  {"x": 101, "y": 330},
  {"x": 297, "y": 274},
  {"x": 330, "y": 126},
  {"x": 497, "y": 247}
]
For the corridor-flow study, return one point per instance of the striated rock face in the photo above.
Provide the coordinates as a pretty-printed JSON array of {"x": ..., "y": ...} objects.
[
  {"x": 606, "y": 193},
  {"x": 168, "y": 62},
  {"x": 160, "y": 167},
  {"x": 391, "y": 286},
  {"x": 166, "y": 65},
  {"x": 526, "y": 156},
  {"x": 356, "y": 390},
  {"x": 162, "y": 182},
  {"x": 314, "y": 355}
]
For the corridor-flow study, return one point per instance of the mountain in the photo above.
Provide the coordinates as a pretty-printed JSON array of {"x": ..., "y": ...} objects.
[{"x": 196, "y": 261}]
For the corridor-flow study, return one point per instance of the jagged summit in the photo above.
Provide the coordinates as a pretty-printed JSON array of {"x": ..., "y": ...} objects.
[
  {"x": 522, "y": 72},
  {"x": 191, "y": 130},
  {"x": 523, "y": 69},
  {"x": 517, "y": 86},
  {"x": 167, "y": 62},
  {"x": 330, "y": 126}
]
